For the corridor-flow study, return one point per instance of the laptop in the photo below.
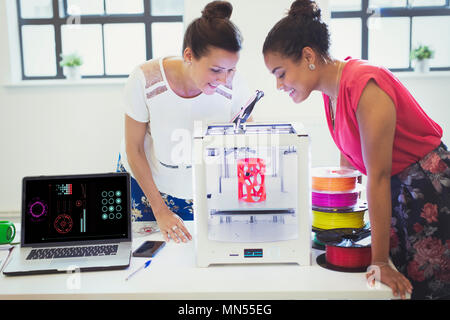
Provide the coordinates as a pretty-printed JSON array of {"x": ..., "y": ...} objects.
[{"x": 73, "y": 223}]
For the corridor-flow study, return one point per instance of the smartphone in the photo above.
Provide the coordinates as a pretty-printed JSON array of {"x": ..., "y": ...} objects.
[{"x": 149, "y": 249}]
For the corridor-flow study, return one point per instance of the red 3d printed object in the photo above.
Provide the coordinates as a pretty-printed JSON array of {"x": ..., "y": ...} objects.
[{"x": 251, "y": 187}]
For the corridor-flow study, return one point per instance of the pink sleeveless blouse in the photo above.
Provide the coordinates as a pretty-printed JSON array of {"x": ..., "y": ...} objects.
[{"x": 416, "y": 134}]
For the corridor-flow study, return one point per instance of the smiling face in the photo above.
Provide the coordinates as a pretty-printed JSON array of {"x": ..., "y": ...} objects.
[
  {"x": 293, "y": 77},
  {"x": 215, "y": 68}
]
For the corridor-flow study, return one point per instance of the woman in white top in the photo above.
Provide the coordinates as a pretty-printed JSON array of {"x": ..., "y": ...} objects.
[{"x": 165, "y": 98}]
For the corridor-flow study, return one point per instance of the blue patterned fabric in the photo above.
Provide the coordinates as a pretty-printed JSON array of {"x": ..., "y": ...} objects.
[
  {"x": 141, "y": 209},
  {"x": 420, "y": 228}
]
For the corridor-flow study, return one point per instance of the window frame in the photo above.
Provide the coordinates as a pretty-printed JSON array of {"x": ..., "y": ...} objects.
[
  {"x": 408, "y": 11},
  {"x": 146, "y": 18}
]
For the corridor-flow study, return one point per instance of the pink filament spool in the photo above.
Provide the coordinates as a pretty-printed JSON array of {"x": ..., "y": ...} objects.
[
  {"x": 251, "y": 172},
  {"x": 334, "y": 200}
]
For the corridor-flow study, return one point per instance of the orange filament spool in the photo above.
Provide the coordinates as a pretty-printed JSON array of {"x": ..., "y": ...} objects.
[
  {"x": 334, "y": 179},
  {"x": 330, "y": 184},
  {"x": 251, "y": 173}
]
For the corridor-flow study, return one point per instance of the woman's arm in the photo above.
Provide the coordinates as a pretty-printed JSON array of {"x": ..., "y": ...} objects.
[
  {"x": 134, "y": 139},
  {"x": 376, "y": 117}
]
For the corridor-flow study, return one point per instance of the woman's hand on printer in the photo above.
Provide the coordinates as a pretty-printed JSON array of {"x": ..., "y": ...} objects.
[{"x": 171, "y": 225}]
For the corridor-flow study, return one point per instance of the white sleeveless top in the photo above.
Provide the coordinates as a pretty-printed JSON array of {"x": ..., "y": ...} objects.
[{"x": 168, "y": 140}]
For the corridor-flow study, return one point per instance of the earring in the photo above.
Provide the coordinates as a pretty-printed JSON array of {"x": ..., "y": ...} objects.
[{"x": 312, "y": 66}]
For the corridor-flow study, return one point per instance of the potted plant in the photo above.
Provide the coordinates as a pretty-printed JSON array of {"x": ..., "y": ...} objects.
[
  {"x": 422, "y": 56},
  {"x": 71, "y": 64}
]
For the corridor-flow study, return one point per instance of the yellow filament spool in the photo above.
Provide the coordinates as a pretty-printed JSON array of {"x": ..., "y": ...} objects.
[{"x": 335, "y": 220}]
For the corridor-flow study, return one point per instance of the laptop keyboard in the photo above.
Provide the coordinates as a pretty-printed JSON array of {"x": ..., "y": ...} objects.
[{"x": 71, "y": 252}]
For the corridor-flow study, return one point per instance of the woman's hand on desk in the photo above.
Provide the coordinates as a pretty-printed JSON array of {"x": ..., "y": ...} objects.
[
  {"x": 392, "y": 278},
  {"x": 172, "y": 226}
]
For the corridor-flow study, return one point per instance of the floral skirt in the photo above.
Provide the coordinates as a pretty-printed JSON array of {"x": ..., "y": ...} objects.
[
  {"x": 141, "y": 209},
  {"x": 420, "y": 228}
]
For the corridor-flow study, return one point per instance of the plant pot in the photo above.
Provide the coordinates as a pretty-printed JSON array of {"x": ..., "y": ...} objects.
[
  {"x": 72, "y": 73},
  {"x": 422, "y": 66}
]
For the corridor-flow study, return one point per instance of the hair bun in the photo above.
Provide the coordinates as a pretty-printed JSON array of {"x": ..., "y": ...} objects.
[
  {"x": 217, "y": 10},
  {"x": 306, "y": 9}
]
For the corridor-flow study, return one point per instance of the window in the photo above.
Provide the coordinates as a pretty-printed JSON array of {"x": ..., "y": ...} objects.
[
  {"x": 385, "y": 31},
  {"x": 111, "y": 36}
]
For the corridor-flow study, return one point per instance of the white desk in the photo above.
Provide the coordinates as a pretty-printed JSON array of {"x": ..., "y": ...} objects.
[{"x": 173, "y": 275}]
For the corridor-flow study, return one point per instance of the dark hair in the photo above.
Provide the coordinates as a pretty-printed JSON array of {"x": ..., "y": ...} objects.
[
  {"x": 213, "y": 28},
  {"x": 302, "y": 27}
]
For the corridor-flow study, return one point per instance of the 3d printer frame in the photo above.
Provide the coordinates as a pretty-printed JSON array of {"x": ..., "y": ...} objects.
[{"x": 295, "y": 244}]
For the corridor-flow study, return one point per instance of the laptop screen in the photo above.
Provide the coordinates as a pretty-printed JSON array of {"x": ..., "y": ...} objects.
[{"x": 75, "y": 208}]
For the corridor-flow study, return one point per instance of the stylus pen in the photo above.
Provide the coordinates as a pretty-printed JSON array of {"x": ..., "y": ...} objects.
[{"x": 145, "y": 265}]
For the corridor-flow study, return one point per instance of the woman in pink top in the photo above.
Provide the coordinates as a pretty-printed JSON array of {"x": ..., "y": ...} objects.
[{"x": 382, "y": 131}]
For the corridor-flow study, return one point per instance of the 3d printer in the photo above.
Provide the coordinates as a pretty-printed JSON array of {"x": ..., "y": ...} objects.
[{"x": 252, "y": 198}]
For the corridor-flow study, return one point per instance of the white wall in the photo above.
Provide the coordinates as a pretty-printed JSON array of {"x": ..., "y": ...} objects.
[
  {"x": 59, "y": 129},
  {"x": 53, "y": 129}
]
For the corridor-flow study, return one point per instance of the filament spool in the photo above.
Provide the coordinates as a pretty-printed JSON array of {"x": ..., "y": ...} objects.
[
  {"x": 346, "y": 249},
  {"x": 334, "y": 179},
  {"x": 327, "y": 220},
  {"x": 316, "y": 244},
  {"x": 348, "y": 258},
  {"x": 333, "y": 218},
  {"x": 335, "y": 199}
]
